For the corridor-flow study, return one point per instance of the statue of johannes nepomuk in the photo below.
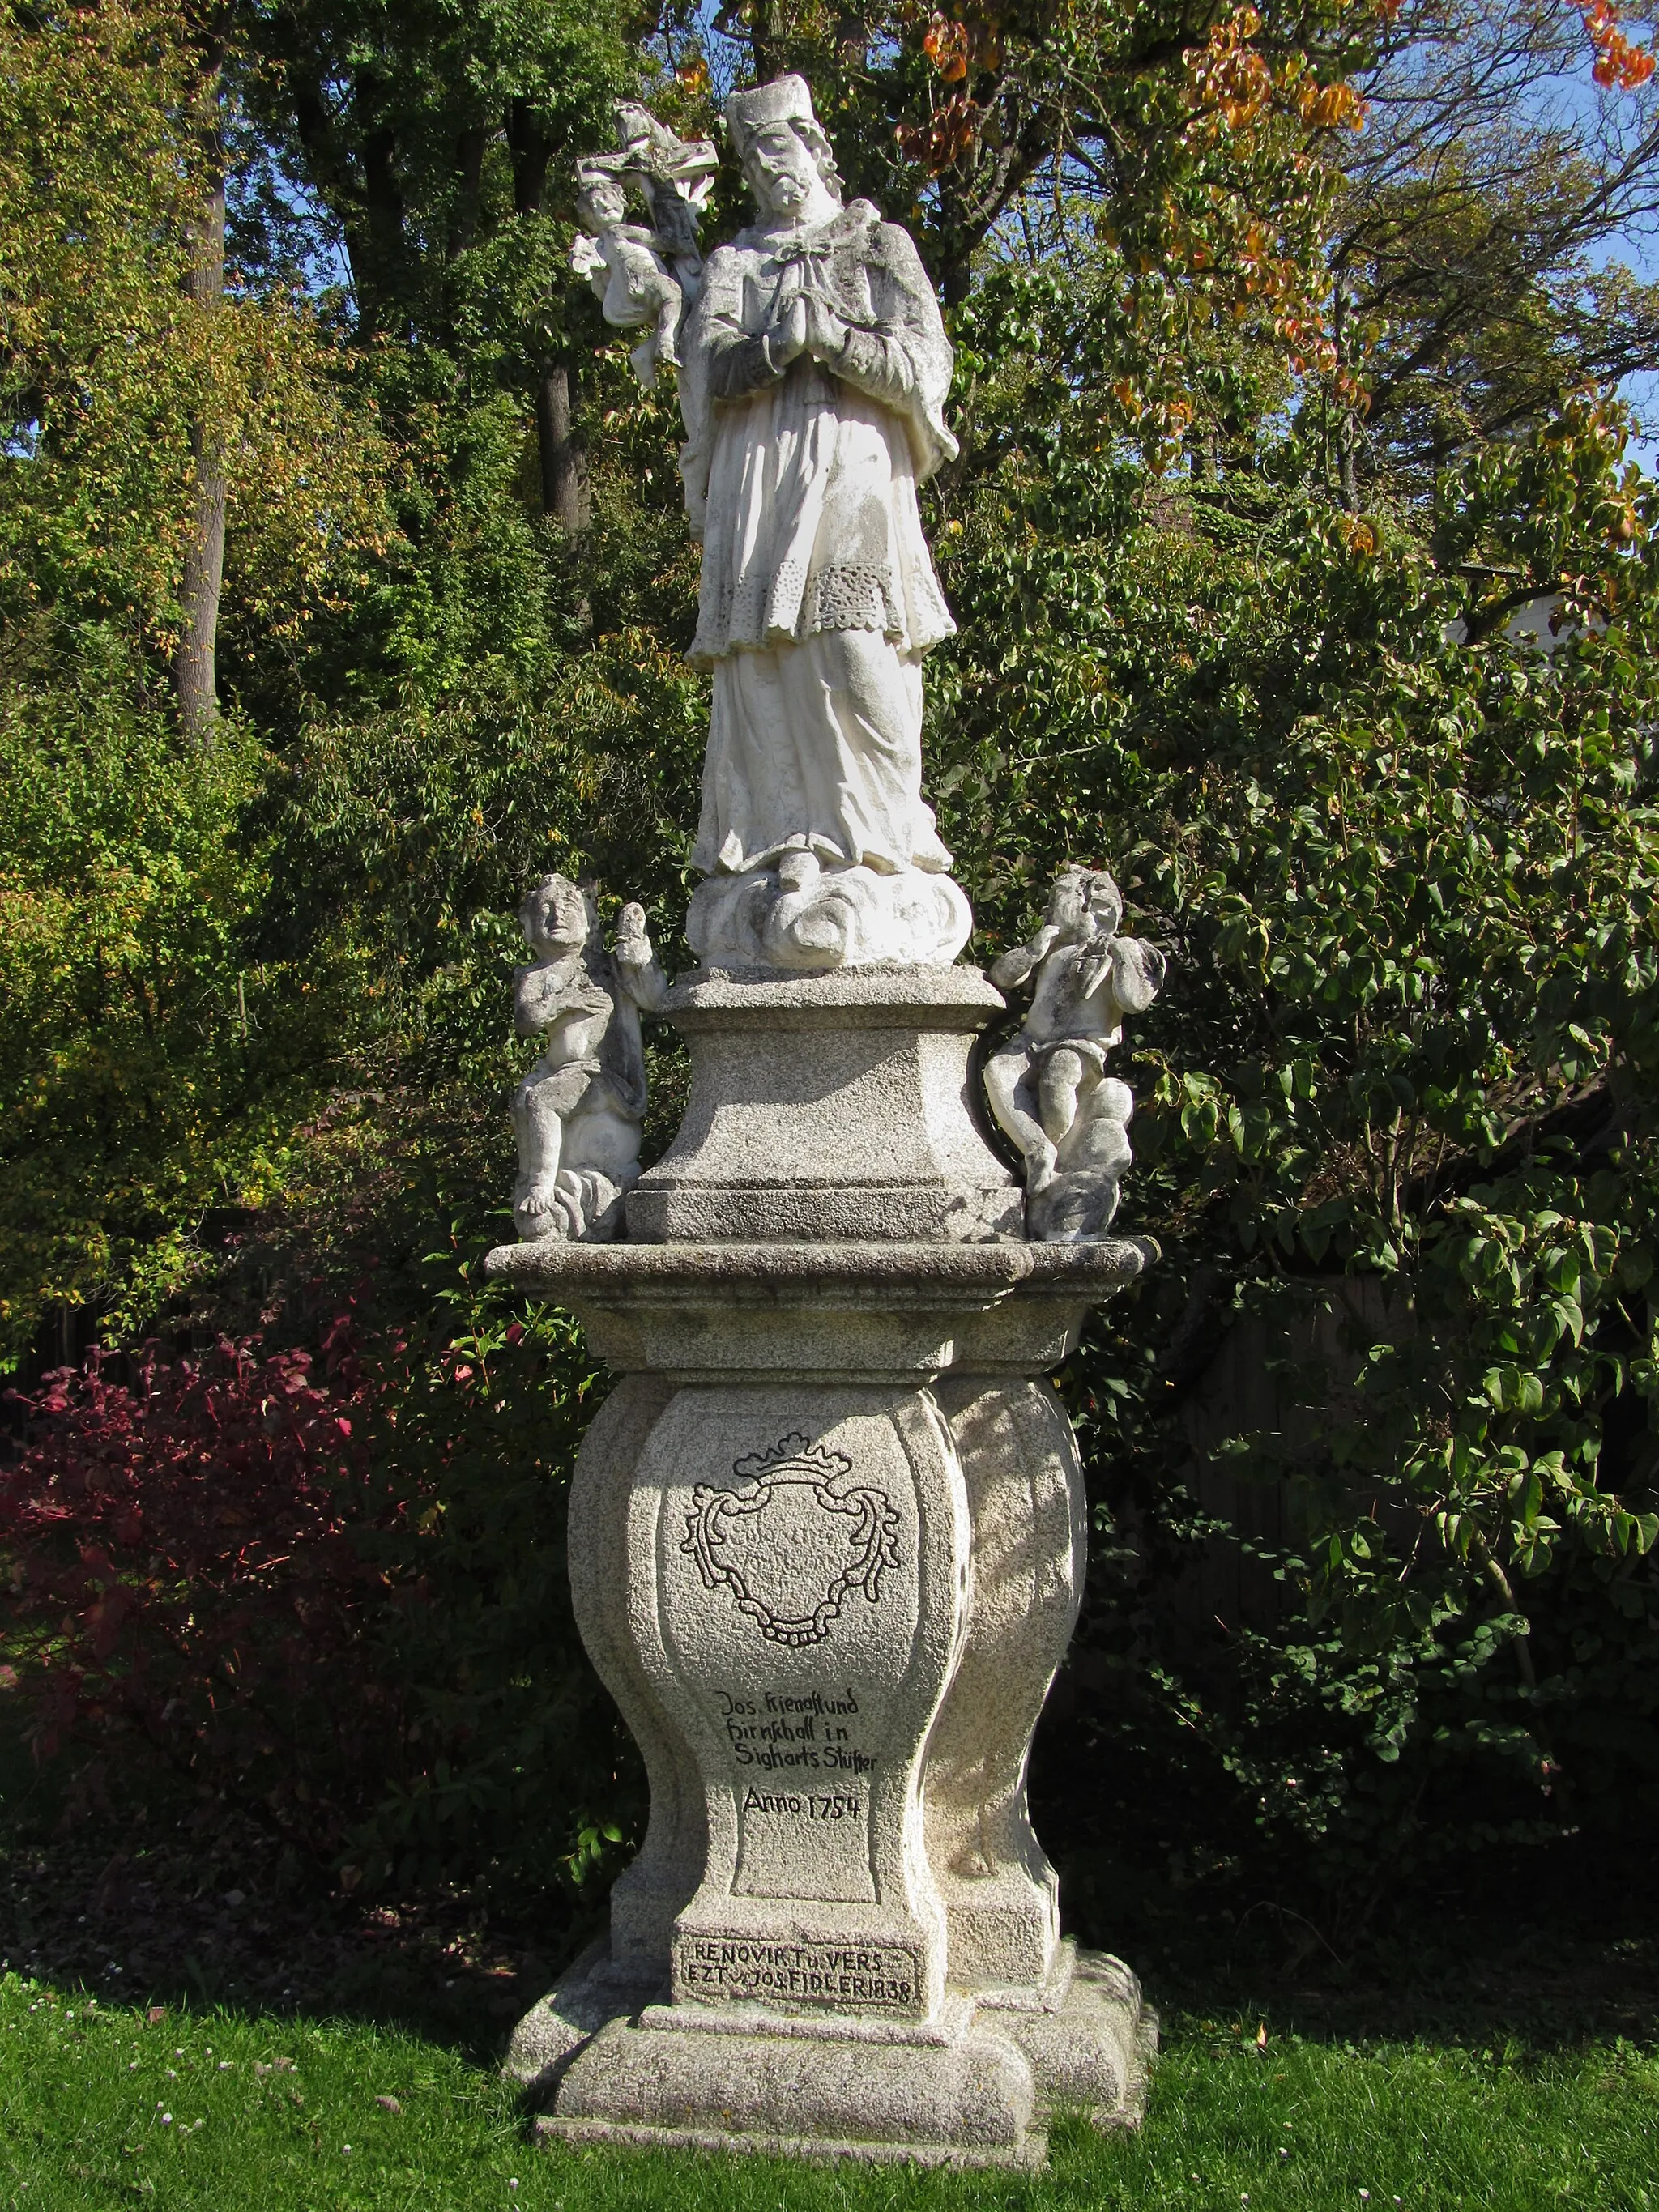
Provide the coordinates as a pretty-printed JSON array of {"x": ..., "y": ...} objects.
[
  {"x": 827, "y": 1536},
  {"x": 814, "y": 371},
  {"x": 578, "y": 1111},
  {"x": 1049, "y": 1087}
]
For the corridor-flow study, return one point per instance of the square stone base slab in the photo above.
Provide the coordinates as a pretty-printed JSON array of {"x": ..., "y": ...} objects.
[{"x": 976, "y": 2087}]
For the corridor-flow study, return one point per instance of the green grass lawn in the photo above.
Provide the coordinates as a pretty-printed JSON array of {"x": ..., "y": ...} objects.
[{"x": 100, "y": 2105}]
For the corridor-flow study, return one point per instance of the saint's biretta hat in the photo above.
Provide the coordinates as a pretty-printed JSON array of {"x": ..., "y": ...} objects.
[{"x": 786, "y": 99}]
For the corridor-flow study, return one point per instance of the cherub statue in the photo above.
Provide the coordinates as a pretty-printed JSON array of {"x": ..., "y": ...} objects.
[
  {"x": 1048, "y": 1087},
  {"x": 578, "y": 1111},
  {"x": 639, "y": 274},
  {"x": 627, "y": 273}
]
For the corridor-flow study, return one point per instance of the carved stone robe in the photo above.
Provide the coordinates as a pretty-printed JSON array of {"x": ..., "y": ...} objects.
[{"x": 818, "y": 596}]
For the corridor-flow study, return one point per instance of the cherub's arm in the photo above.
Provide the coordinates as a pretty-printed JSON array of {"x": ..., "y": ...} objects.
[
  {"x": 536, "y": 997},
  {"x": 1015, "y": 967},
  {"x": 552, "y": 990},
  {"x": 1138, "y": 973},
  {"x": 587, "y": 259},
  {"x": 637, "y": 967}
]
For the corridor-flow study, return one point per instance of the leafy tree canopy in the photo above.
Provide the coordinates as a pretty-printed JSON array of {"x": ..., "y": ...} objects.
[{"x": 1302, "y": 575}]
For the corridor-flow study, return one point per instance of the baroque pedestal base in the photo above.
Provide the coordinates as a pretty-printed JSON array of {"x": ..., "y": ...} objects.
[
  {"x": 827, "y": 1541},
  {"x": 829, "y": 1108},
  {"x": 976, "y": 2085}
]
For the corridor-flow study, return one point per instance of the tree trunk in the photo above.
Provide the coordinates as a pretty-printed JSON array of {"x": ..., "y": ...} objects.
[
  {"x": 531, "y": 149},
  {"x": 564, "y": 465},
  {"x": 383, "y": 288},
  {"x": 195, "y": 674},
  {"x": 469, "y": 149}
]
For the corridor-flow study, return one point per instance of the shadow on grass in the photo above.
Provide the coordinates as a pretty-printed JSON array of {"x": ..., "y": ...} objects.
[
  {"x": 190, "y": 1905},
  {"x": 186, "y": 1903},
  {"x": 1545, "y": 1950}
]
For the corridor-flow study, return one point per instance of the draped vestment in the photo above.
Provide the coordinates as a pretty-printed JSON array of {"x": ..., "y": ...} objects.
[{"x": 818, "y": 597}]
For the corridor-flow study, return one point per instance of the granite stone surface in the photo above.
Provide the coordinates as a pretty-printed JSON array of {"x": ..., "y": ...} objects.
[
  {"x": 826, "y": 1535},
  {"x": 838, "y": 1107},
  {"x": 975, "y": 2085},
  {"x": 826, "y": 1542}
]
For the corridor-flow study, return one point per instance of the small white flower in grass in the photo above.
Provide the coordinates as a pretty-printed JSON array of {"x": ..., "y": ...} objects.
[
  {"x": 345, "y": 2147},
  {"x": 166, "y": 2120}
]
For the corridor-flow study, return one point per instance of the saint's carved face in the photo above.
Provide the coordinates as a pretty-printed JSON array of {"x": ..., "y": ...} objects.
[{"x": 780, "y": 170}]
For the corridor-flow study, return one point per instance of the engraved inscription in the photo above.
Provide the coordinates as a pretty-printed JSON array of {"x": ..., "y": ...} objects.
[
  {"x": 794, "y": 1540},
  {"x": 813, "y": 1731},
  {"x": 805, "y": 1804},
  {"x": 868, "y": 1975}
]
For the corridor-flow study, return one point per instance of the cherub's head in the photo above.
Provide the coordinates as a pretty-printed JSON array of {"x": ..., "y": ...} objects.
[
  {"x": 557, "y": 916},
  {"x": 602, "y": 204},
  {"x": 787, "y": 160},
  {"x": 1084, "y": 903}
]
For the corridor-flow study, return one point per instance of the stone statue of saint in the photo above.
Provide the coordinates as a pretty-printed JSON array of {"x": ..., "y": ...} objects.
[{"x": 814, "y": 370}]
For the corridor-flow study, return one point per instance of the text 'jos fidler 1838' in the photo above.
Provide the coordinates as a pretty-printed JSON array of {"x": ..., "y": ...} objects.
[{"x": 865, "y": 1974}]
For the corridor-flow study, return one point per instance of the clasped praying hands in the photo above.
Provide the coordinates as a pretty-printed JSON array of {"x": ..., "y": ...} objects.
[{"x": 808, "y": 325}]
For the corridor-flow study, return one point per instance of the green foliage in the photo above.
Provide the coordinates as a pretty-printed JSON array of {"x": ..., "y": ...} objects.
[
  {"x": 1397, "y": 1124},
  {"x": 513, "y": 1760},
  {"x": 1409, "y": 886},
  {"x": 147, "y": 1064}
]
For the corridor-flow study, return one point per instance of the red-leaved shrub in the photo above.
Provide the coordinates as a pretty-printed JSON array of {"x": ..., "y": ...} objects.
[
  {"x": 184, "y": 1573},
  {"x": 328, "y": 1590}
]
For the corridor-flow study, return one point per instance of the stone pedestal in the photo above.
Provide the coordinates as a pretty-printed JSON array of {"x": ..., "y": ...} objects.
[
  {"x": 827, "y": 1541},
  {"x": 830, "y": 1107}
]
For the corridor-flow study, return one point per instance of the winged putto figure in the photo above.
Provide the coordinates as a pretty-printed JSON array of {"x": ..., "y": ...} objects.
[
  {"x": 1049, "y": 1087},
  {"x": 578, "y": 1112}
]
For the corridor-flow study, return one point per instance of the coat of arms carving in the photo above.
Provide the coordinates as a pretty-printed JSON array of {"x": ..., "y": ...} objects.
[{"x": 794, "y": 1540}]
